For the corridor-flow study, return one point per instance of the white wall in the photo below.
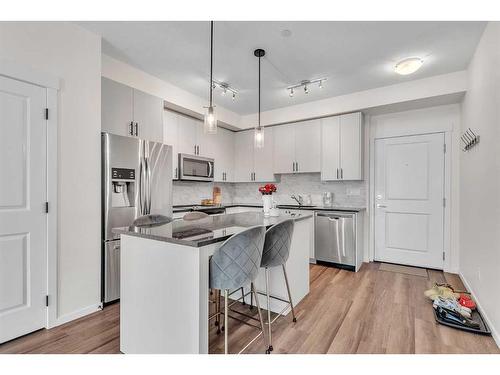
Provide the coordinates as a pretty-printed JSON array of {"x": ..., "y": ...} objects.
[
  {"x": 432, "y": 87},
  {"x": 428, "y": 120},
  {"x": 480, "y": 179},
  {"x": 133, "y": 77},
  {"x": 73, "y": 54}
]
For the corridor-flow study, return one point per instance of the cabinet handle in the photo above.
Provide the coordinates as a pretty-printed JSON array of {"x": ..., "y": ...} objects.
[
  {"x": 341, "y": 173},
  {"x": 198, "y": 149},
  {"x": 337, "y": 173},
  {"x": 296, "y": 166},
  {"x": 131, "y": 128},
  {"x": 293, "y": 166},
  {"x": 176, "y": 172},
  {"x": 136, "y": 129}
]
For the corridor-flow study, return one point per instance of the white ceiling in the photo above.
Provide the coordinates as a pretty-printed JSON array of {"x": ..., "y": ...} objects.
[{"x": 353, "y": 55}]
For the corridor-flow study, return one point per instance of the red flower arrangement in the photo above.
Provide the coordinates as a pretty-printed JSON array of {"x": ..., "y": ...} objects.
[{"x": 267, "y": 189}]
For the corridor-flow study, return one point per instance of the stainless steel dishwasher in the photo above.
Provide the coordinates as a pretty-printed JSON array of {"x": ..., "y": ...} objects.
[{"x": 336, "y": 239}]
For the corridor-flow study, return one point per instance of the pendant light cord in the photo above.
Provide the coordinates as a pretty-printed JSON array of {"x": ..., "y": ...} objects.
[
  {"x": 211, "y": 58},
  {"x": 259, "y": 91}
]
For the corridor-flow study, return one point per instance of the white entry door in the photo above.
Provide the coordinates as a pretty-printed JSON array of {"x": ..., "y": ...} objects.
[
  {"x": 409, "y": 200},
  {"x": 23, "y": 222}
]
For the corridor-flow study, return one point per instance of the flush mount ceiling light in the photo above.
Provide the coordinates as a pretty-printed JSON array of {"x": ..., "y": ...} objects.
[
  {"x": 210, "y": 123},
  {"x": 306, "y": 84},
  {"x": 259, "y": 130},
  {"x": 225, "y": 88},
  {"x": 408, "y": 66}
]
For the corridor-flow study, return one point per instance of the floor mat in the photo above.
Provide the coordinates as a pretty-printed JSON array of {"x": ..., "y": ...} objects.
[{"x": 422, "y": 272}]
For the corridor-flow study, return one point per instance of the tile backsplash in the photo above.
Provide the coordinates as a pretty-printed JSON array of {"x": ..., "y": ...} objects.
[{"x": 346, "y": 193}]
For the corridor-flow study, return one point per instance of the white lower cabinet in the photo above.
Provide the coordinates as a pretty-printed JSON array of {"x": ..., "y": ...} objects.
[
  {"x": 253, "y": 164},
  {"x": 342, "y": 147}
]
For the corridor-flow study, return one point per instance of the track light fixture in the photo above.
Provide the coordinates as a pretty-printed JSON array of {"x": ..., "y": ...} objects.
[
  {"x": 224, "y": 86},
  {"x": 306, "y": 84}
]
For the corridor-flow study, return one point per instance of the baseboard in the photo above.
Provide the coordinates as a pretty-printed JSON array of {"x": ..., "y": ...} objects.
[
  {"x": 75, "y": 315},
  {"x": 494, "y": 332}
]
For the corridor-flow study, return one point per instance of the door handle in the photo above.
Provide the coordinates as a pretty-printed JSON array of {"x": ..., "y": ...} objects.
[
  {"x": 381, "y": 206},
  {"x": 131, "y": 128},
  {"x": 136, "y": 129}
]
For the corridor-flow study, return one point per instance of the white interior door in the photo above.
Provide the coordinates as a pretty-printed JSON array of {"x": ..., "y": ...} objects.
[
  {"x": 409, "y": 197},
  {"x": 23, "y": 222}
]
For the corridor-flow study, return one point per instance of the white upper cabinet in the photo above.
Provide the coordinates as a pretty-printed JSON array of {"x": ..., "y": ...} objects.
[
  {"x": 130, "y": 112},
  {"x": 307, "y": 146},
  {"x": 223, "y": 155},
  {"x": 243, "y": 156},
  {"x": 185, "y": 135},
  {"x": 117, "y": 103},
  {"x": 330, "y": 152},
  {"x": 351, "y": 146},
  {"x": 253, "y": 164},
  {"x": 170, "y": 137},
  {"x": 342, "y": 147},
  {"x": 297, "y": 147},
  {"x": 148, "y": 111},
  {"x": 263, "y": 158},
  {"x": 284, "y": 149}
]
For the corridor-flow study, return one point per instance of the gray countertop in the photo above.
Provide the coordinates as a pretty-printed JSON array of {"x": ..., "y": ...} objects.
[
  {"x": 185, "y": 208},
  {"x": 206, "y": 231}
]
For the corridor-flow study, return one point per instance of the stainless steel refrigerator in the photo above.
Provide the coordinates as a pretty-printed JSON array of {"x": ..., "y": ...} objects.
[{"x": 136, "y": 181}]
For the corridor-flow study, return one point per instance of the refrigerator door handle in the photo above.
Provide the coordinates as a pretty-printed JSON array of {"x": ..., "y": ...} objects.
[
  {"x": 148, "y": 186},
  {"x": 142, "y": 177}
]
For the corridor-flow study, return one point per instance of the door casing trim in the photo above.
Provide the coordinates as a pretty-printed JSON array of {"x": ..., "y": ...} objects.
[{"x": 450, "y": 264}]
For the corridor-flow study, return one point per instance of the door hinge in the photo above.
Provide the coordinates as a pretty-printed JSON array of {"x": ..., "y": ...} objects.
[
  {"x": 46, "y": 113},
  {"x": 47, "y": 300},
  {"x": 444, "y": 202},
  {"x": 46, "y": 207},
  {"x": 444, "y": 148},
  {"x": 444, "y": 256}
]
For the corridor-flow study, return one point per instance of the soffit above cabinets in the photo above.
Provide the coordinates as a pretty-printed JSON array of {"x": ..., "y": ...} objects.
[{"x": 355, "y": 56}]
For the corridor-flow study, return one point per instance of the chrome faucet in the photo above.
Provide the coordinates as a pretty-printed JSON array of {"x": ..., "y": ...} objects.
[{"x": 298, "y": 199}]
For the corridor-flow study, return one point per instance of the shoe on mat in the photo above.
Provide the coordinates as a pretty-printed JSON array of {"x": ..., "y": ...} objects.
[
  {"x": 455, "y": 318},
  {"x": 466, "y": 301},
  {"x": 443, "y": 290},
  {"x": 452, "y": 304}
]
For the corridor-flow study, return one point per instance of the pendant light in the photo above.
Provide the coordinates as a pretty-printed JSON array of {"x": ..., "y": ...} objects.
[
  {"x": 210, "y": 123},
  {"x": 259, "y": 130}
]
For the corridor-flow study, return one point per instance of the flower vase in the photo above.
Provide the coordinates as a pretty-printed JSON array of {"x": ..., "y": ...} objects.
[{"x": 267, "y": 202}]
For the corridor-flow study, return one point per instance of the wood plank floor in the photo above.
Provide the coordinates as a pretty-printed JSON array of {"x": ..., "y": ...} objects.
[{"x": 371, "y": 311}]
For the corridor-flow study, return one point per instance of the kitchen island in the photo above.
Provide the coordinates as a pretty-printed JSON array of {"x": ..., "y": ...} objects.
[{"x": 164, "y": 305}]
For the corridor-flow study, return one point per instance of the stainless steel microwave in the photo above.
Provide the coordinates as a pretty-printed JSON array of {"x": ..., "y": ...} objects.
[{"x": 195, "y": 168}]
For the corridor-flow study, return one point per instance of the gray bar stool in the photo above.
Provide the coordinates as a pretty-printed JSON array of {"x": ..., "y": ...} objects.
[
  {"x": 236, "y": 264},
  {"x": 275, "y": 254}
]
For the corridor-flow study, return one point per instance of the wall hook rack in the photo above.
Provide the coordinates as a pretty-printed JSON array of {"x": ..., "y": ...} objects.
[{"x": 470, "y": 139}]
